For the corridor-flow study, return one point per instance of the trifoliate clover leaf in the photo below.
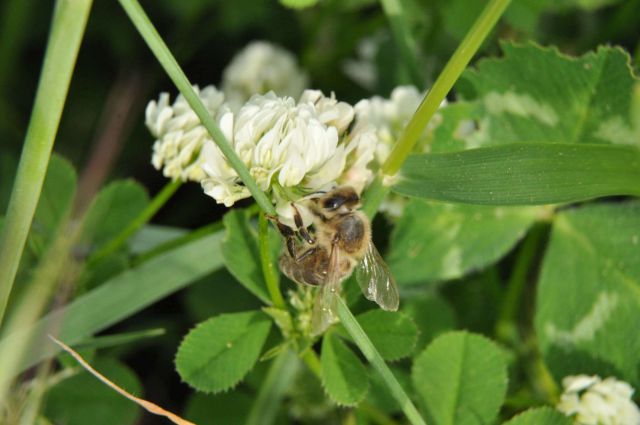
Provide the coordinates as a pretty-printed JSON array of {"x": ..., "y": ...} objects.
[
  {"x": 541, "y": 415},
  {"x": 344, "y": 377},
  {"x": 588, "y": 300},
  {"x": 435, "y": 241},
  {"x": 536, "y": 94},
  {"x": 461, "y": 379},
  {"x": 393, "y": 334},
  {"x": 219, "y": 352}
]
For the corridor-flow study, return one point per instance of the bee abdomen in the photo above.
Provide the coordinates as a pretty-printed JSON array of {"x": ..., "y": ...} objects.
[
  {"x": 312, "y": 270},
  {"x": 353, "y": 233}
]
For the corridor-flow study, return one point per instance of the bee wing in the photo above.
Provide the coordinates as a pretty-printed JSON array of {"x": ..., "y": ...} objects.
[
  {"x": 376, "y": 281},
  {"x": 326, "y": 300}
]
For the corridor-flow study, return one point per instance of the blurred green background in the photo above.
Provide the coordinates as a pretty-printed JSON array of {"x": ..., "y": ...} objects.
[{"x": 103, "y": 134}]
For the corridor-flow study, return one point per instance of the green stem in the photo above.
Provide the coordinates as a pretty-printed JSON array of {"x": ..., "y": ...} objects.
[
  {"x": 278, "y": 379},
  {"x": 404, "y": 40},
  {"x": 451, "y": 72},
  {"x": 371, "y": 354},
  {"x": 171, "y": 67},
  {"x": 506, "y": 326},
  {"x": 541, "y": 378},
  {"x": 313, "y": 362},
  {"x": 376, "y": 415},
  {"x": 373, "y": 197},
  {"x": 271, "y": 276},
  {"x": 156, "y": 203},
  {"x": 69, "y": 21}
]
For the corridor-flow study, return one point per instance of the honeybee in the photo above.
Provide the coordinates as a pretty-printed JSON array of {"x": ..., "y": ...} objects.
[{"x": 342, "y": 243}]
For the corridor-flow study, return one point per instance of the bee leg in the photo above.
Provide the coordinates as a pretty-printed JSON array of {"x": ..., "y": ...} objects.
[
  {"x": 288, "y": 234},
  {"x": 297, "y": 218},
  {"x": 305, "y": 254}
]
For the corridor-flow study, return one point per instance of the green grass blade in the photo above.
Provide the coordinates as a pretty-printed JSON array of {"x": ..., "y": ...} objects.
[
  {"x": 449, "y": 75},
  {"x": 173, "y": 70},
  {"x": 523, "y": 174},
  {"x": 115, "y": 300},
  {"x": 113, "y": 340},
  {"x": 373, "y": 356},
  {"x": 69, "y": 21}
]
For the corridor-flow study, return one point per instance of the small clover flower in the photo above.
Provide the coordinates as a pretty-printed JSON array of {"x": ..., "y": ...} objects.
[
  {"x": 259, "y": 68},
  {"x": 291, "y": 149},
  {"x": 179, "y": 134},
  {"x": 591, "y": 400}
]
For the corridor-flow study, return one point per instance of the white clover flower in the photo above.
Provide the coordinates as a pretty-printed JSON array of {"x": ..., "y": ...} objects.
[
  {"x": 179, "y": 134},
  {"x": 259, "y": 68},
  {"x": 389, "y": 117},
  {"x": 591, "y": 400},
  {"x": 291, "y": 150}
]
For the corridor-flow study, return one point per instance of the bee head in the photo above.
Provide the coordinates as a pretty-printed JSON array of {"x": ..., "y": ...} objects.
[{"x": 340, "y": 200}]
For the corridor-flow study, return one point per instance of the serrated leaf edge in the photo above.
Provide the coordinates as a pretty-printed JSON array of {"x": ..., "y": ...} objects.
[
  {"x": 466, "y": 335},
  {"x": 232, "y": 385},
  {"x": 366, "y": 391},
  {"x": 413, "y": 344},
  {"x": 534, "y": 410}
]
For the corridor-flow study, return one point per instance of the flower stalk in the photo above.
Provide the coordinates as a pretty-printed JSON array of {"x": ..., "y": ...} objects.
[
  {"x": 68, "y": 25},
  {"x": 156, "y": 203},
  {"x": 167, "y": 60},
  {"x": 506, "y": 326},
  {"x": 373, "y": 356},
  {"x": 271, "y": 276}
]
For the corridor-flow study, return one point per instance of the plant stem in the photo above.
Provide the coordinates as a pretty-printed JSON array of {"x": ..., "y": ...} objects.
[
  {"x": 371, "y": 354},
  {"x": 171, "y": 67},
  {"x": 278, "y": 379},
  {"x": 69, "y": 21},
  {"x": 451, "y": 72},
  {"x": 271, "y": 276},
  {"x": 313, "y": 362},
  {"x": 404, "y": 39},
  {"x": 506, "y": 328},
  {"x": 145, "y": 215},
  {"x": 373, "y": 197},
  {"x": 375, "y": 415},
  {"x": 540, "y": 377}
]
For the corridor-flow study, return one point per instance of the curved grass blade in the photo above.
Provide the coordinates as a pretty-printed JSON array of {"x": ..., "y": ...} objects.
[
  {"x": 69, "y": 21},
  {"x": 116, "y": 299}
]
